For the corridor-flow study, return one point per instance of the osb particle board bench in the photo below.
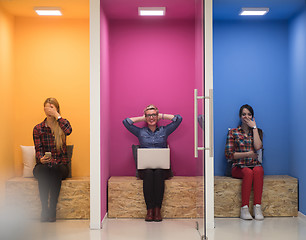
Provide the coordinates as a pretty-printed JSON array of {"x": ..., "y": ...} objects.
[
  {"x": 279, "y": 199},
  {"x": 125, "y": 197},
  {"x": 73, "y": 203}
]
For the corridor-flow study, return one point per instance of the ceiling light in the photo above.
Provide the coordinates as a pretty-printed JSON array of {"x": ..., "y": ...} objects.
[
  {"x": 254, "y": 11},
  {"x": 48, "y": 11},
  {"x": 151, "y": 11}
]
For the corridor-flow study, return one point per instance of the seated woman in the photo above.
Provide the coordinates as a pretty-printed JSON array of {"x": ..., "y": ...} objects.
[
  {"x": 153, "y": 136},
  {"x": 51, "y": 157},
  {"x": 241, "y": 146}
]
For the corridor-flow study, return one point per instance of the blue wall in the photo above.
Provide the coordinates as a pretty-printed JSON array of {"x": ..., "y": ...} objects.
[
  {"x": 251, "y": 66},
  {"x": 297, "y": 47}
]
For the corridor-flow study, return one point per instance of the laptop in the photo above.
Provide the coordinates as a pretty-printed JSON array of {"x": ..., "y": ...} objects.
[{"x": 152, "y": 158}]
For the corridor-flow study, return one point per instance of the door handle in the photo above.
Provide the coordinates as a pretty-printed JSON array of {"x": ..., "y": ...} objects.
[{"x": 196, "y": 98}]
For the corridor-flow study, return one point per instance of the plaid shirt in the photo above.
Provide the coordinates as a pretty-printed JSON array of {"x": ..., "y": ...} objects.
[
  {"x": 44, "y": 141},
  {"x": 238, "y": 141}
]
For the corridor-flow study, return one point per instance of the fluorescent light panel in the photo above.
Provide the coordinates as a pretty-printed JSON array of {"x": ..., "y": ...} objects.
[
  {"x": 151, "y": 11},
  {"x": 254, "y": 11},
  {"x": 48, "y": 11}
]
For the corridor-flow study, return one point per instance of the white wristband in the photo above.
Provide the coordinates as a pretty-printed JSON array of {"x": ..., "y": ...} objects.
[{"x": 254, "y": 127}]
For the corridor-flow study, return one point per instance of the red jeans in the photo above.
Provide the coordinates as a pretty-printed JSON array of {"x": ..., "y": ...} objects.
[{"x": 250, "y": 176}]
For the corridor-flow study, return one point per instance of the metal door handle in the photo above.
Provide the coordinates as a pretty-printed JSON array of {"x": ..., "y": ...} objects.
[{"x": 196, "y": 98}]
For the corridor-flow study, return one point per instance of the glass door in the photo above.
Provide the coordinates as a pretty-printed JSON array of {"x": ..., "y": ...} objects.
[
  {"x": 203, "y": 117},
  {"x": 199, "y": 122}
]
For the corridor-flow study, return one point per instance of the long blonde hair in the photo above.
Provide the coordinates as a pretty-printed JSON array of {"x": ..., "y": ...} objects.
[{"x": 59, "y": 135}]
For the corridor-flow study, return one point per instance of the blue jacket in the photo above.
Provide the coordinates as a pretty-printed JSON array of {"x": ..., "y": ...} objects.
[{"x": 149, "y": 139}]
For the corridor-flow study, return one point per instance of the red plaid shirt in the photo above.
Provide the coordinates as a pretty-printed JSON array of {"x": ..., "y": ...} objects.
[
  {"x": 238, "y": 141},
  {"x": 44, "y": 141}
]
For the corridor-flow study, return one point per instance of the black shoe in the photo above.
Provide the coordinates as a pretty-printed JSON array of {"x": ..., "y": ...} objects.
[
  {"x": 52, "y": 216},
  {"x": 52, "y": 219},
  {"x": 44, "y": 217}
]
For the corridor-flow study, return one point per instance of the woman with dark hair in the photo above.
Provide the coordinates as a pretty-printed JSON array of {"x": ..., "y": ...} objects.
[
  {"x": 51, "y": 157},
  {"x": 241, "y": 149},
  {"x": 153, "y": 136}
]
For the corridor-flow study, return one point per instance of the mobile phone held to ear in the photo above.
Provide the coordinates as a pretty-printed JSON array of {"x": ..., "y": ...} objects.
[{"x": 48, "y": 154}]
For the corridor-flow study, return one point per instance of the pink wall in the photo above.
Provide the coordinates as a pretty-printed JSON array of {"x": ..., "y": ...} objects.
[
  {"x": 105, "y": 113},
  {"x": 199, "y": 76},
  {"x": 151, "y": 62},
  {"x": 199, "y": 63}
]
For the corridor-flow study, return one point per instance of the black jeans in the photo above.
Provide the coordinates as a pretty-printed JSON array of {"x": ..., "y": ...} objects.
[
  {"x": 153, "y": 186},
  {"x": 49, "y": 182}
]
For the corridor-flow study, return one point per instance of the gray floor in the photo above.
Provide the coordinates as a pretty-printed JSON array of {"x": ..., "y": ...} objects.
[
  {"x": 285, "y": 228},
  {"x": 179, "y": 229}
]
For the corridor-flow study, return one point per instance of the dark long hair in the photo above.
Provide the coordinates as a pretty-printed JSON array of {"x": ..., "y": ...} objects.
[{"x": 247, "y": 106}]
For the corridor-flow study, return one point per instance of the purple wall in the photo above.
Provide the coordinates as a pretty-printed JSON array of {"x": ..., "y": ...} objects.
[
  {"x": 151, "y": 62},
  {"x": 104, "y": 112}
]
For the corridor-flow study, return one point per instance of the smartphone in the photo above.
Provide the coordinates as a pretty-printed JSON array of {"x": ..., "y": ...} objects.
[{"x": 48, "y": 154}]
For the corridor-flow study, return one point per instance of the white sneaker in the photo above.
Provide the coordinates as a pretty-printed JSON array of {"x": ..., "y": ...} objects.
[
  {"x": 245, "y": 214},
  {"x": 257, "y": 212}
]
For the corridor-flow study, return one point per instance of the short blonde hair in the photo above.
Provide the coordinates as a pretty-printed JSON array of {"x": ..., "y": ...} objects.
[{"x": 151, "y": 107}]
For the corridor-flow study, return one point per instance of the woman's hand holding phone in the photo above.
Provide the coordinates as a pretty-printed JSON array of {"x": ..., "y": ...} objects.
[{"x": 46, "y": 158}]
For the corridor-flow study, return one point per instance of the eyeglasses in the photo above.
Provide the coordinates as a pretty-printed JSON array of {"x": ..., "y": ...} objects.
[{"x": 154, "y": 115}]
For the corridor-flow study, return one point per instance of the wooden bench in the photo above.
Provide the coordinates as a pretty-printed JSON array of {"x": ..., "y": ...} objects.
[
  {"x": 125, "y": 198},
  {"x": 73, "y": 201},
  {"x": 279, "y": 199},
  {"x": 182, "y": 195}
]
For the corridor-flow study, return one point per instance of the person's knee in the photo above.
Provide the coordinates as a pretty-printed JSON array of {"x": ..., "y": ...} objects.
[
  {"x": 148, "y": 173},
  {"x": 258, "y": 171},
  {"x": 58, "y": 172},
  {"x": 40, "y": 170},
  {"x": 247, "y": 172},
  {"x": 160, "y": 173},
  {"x": 64, "y": 171}
]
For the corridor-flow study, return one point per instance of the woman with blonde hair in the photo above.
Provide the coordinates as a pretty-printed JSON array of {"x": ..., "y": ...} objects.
[
  {"x": 51, "y": 157},
  {"x": 153, "y": 136}
]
